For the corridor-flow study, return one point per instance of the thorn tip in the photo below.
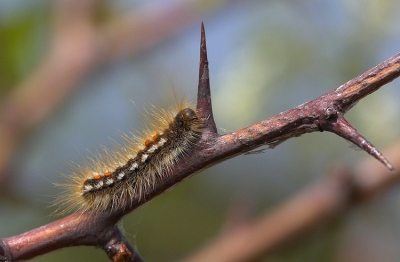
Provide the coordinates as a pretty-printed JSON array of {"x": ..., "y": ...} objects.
[{"x": 343, "y": 128}]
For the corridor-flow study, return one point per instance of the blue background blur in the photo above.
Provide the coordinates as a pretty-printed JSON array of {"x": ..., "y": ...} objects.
[{"x": 265, "y": 57}]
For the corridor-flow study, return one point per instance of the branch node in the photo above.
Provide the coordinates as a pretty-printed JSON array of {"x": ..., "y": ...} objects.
[
  {"x": 331, "y": 113},
  {"x": 118, "y": 249}
]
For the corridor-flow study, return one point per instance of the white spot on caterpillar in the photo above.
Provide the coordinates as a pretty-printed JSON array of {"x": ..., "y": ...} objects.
[
  {"x": 109, "y": 181},
  {"x": 133, "y": 166},
  {"x": 88, "y": 188},
  {"x": 120, "y": 175},
  {"x": 144, "y": 157},
  {"x": 152, "y": 149},
  {"x": 162, "y": 142},
  {"x": 99, "y": 184}
]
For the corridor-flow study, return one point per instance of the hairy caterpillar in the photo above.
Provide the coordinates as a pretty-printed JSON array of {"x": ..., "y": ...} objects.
[{"x": 129, "y": 171}]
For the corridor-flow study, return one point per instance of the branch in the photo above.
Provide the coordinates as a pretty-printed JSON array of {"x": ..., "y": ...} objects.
[
  {"x": 306, "y": 211},
  {"x": 70, "y": 231},
  {"x": 323, "y": 113}
]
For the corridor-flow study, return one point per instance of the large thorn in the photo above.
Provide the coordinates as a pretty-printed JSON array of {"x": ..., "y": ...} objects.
[{"x": 204, "y": 106}]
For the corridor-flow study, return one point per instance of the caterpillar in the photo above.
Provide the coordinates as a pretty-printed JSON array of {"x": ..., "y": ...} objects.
[{"x": 115, "y": 177}]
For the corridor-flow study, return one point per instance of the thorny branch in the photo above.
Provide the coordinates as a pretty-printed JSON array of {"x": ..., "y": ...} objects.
[
  {"x": 323, "y": 113},
  {"x": 313, "y": 207}
]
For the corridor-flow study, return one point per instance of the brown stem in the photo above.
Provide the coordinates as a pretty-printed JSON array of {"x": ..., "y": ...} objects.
[{"x": 70, "y": 231}]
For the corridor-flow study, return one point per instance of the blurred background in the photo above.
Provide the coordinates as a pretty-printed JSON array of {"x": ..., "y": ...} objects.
[{"x": 75, "y": 75}]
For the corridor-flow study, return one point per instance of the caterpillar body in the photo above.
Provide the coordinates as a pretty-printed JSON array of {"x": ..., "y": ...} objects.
[{"x": 129, "y": 171}]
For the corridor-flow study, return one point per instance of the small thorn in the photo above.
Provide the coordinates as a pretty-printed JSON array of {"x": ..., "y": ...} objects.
[{"x": 343, "y": 128}]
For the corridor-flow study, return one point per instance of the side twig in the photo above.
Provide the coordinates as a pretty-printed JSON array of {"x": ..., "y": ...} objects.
[{"x": 323, "y": 113}]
